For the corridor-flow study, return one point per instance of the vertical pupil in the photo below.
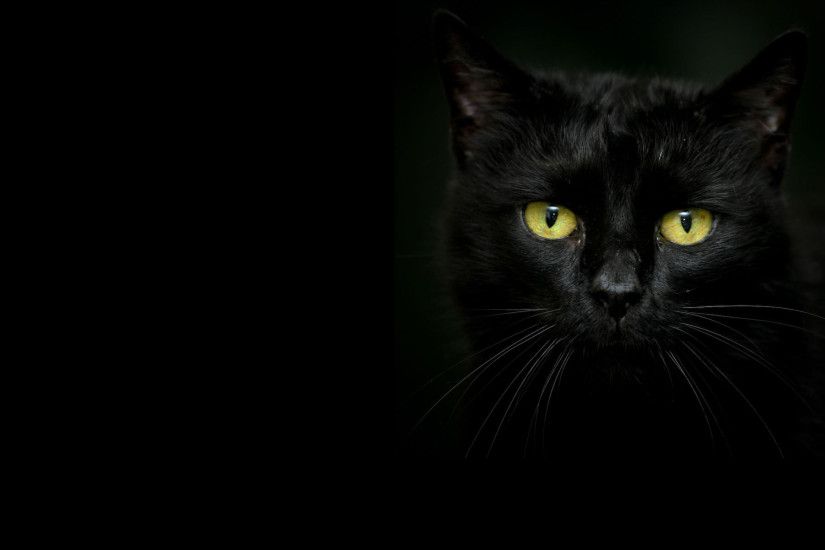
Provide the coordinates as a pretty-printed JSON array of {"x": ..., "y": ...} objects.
[
  {"x": 552, "y": 215},
  {"x": 687, "y": 221}
]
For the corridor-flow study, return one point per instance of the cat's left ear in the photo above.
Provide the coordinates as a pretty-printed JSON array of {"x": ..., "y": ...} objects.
[
  {"x": 481, "y": 85},
  {"x": 763, "y": 95}
]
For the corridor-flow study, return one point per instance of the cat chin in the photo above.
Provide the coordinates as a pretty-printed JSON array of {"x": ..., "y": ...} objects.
[
  {"x": 608, "y": 333},
  {"x": 615, "y": 363},
  {"x": 619, "y": 340}
]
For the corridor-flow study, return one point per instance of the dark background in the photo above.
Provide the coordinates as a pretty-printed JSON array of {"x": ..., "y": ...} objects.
[{"x": 702, "y": 41}]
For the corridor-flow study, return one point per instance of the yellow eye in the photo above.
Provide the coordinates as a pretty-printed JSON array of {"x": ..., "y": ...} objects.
[
  {"x": 549, "y": 221},
  {"x": 686, "y": 227}
]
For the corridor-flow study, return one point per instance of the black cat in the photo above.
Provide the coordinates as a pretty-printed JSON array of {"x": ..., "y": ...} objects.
[{"x": 618, "y": 251}]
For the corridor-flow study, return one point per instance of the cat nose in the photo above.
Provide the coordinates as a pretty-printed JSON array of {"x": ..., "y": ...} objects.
[
  {"x": 616, "y": 285},
  {"x": 617, "y": 298}
]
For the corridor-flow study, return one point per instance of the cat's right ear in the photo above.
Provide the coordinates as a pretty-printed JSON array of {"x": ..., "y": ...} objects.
[
  {"x": 480, "y": 84},
  {"x": 762, "y": 97}
]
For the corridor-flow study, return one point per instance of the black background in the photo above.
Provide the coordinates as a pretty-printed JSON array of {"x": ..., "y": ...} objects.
[{"x": 692, "y": 40}]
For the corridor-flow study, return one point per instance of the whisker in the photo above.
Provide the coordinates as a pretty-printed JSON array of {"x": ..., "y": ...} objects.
[
  {"x": 757, "y": 357},
  {"x": 721, "y": 324},
  {"x": 515, "y": 309},
  {"x": 666, "y": 369},
  {"x": 542, "y": 359},
  {"x": 459, "y": 363},
  {"x": 710, "y": 389},
  {"x": 718, "y": 306},
  {"x": 709, "y": 363},
  {"x": 509, "y": 348},
  {"x": 567, "y": 353},
  {"x": 536, "y": 313},
  {"x": 495, "y": 377},
  {"x": 779, "y": 323},
  {"x": 536, "y": 359},
  {"x": 541, "y": 394},
  {"x": 695, "y": 390},
  {"x": 493, "y": 409}
]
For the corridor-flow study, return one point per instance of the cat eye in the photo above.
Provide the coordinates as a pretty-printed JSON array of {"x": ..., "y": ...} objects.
[
  {"x": 550, "y": 221},
  {"x": 686, "y": 227}
]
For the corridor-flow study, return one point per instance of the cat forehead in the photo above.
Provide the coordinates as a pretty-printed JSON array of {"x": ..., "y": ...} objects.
[
  {"x": 579, "y": 142},
  {"x": 614, "y": 92},
  {"x": 607, "y": 128},
  {"x": 606, "y": 111},
  {"x": 597, "y": 153}
]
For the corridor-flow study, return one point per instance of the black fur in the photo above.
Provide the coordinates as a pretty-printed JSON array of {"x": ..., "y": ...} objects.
[{"x": 665, "y": 380}]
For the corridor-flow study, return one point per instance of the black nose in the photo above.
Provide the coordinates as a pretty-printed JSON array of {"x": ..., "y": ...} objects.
[
  {"x": 617, "y": 298},
  {"x": 617, "y": 286}
]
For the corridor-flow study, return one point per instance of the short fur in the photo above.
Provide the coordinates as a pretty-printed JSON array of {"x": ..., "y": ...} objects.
[{"x": 666, "y": 379}]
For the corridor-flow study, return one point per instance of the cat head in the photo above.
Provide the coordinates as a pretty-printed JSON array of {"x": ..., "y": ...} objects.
[{"x": 611, "y": 203}]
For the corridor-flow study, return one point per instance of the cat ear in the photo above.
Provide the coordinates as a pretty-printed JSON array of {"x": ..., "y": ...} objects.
[
  {"x": 763, "y": 95},
  {"x": 479, "y": 82}
]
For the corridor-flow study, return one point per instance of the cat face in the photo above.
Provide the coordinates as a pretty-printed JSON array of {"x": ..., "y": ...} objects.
[{"x": 608, "y": 204}]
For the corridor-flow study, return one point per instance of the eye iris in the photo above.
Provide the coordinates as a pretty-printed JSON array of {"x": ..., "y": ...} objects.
[
  {"x": 687, "y": 220},
  {"x": 552, "y": 215},
  {"x": 686, "y": 227},
  {"x": 548, "y": 221}
]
